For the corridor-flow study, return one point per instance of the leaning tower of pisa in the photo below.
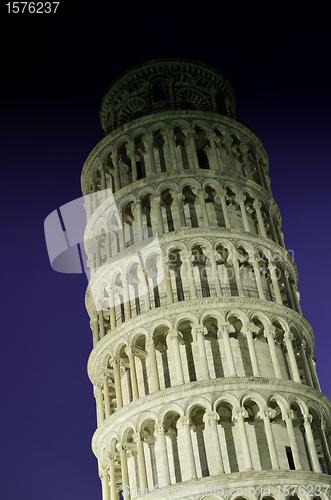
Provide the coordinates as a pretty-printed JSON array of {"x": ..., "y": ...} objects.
[{"x": 202, "y": 364}]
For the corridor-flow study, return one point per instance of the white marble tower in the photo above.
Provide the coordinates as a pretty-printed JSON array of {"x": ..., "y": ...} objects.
[{"x": 202, "y": 363}]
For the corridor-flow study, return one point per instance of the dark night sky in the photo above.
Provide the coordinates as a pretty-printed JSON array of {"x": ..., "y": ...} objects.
[{"x": 55, "y": 69}]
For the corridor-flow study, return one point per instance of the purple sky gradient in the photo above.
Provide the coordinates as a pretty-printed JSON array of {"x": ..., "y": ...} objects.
[{"x": 55, "y": 70}]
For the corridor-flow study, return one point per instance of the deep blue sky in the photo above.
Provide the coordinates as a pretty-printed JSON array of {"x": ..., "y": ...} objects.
[{"x": 54, "y": 72}]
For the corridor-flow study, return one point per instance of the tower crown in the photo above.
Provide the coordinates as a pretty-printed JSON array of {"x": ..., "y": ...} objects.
[{"x": 165, "y": 83}]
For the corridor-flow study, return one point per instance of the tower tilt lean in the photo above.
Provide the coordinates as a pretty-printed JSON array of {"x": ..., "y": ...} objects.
[{"x": 202, "y": 363}]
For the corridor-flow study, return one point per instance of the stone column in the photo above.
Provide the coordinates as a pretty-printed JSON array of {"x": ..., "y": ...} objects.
[
  {"x": 211, "y": 418},
  {"x": 280, "y": 236},
  {"x": 255, "y": 264},
  {"x": 303, "y": 357},
  {"x": 312, "y": 366},
  {"x": 175, "y": 337},
  {"x": 112, "y": 311},
  {"x": 112, "y": 478},
  {"x": 150, "y": 145},
  {"x": 296, "y": 297},
  {"x": 233, "y": 259},
  {"x": 272, "y": 228},
  {"x": 240, "y": 200},
  {"x": 222, "y": 194},
  {"x": 201, "y": 195},
  {"x": 133, "y": 374},
  {"x": 211, "y": 138},
  {"x": 272, "y": 268},
  {"x": 124, "y": 467},
  {"x": 179, "y": 199},
  {"x": 117, "y": 378},
  {"x": 186, "y": 257},
  {"x": 239, "y": 415},
  {"x": 288, "y": 338},
  {"x": 99, "y": 401},
  {"x": 88, "y": 206},
  {"x": 139, "y": 440},
  {"x": 325, "y": 446},
  {"x": 269, "y": 333},
  {"x": 97, "y": 251},
  {"x": 257, "y": 206},
  {"x": 131, "y": 151},
  {"x": 103, "y": 473},
  {"x": 102, "y": 324},
  {"x": 225, "y": 329},
  {"x": 163, "y": 463},
  {"x": 95, "y": 329},
  {"x": 244, "y": 149},
  {"x": 202, "y": 352},
  {"x": 94, "y": 195},
  {"x": 228, "y": 144},
  {"x": 103, "y": 183},
  {"x": 185, "y": 425},
  {"x": 150, "y": 347},
  {"x": 190, "y": 140},
  {"x": 307, "y": 420},
  {"x": 265, "y": 415},
  {"x": 288, "y": 290},
  {"x": 157, "y": 205},
  {"x": 108, "y": 244},
  {"x": 138, "y": 221},
  {"x": 216, "y": 279},
  {"x": 115, "y": 158},
  {"x": 172, "y": 150},
  {"x": 106, "y": 395},
  {"x": 288, "y": 416},
  {"x": 126, "y": 298},
  {"x": 166, "y": 274},
  {"x": 248, "y": 329}
]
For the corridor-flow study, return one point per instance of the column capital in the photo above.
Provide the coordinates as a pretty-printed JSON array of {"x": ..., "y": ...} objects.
[
  {"x": 211, "y": 416},
  {"x": 186, "y": 255},
  {"x": 244, "y": 148},
  {"x": 103, "y": 471},
  {"x": 239, "y": 413},
  {"x": 225, "y": 328},
  {"x": 303, "y": 344},
  {"x": 269, "y": 331},
  {"x": 307, "y": 418},
  {"x": 249, "y": 328},
  {"x": 211, "y": 136},
  {"x": 287, "y": 414},
  {"x": 161, "y": 429},
  {"x": 185, "y": 421},
  {"x": 116, "y": 156},
  {"x": 138, "y": 437},
  {"x": 150, "y": 342},
  {"x": 288, "y": 336},
  {"x": 266, "y": 413},
  {"x": 120, "y": 447},
  {"x": 257, "y": 204},
  {"x": 227, "y": 141},
  {"x": 200, "y": 330},
  {"x": 240, "y": 198},
  {"x": 115, "y": 361},
  {"x": 130, "y": 351},
  {"x": 272, "y": 267},
  {"x": 174, "y": 334},
  {"x": 130, "y": 148}
]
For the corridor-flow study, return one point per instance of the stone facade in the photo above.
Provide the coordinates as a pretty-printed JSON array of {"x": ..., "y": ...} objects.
[{"x": 202, "y": 363}]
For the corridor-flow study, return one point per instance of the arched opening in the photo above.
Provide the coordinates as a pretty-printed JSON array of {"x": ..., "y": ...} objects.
[{"x": 227, "y": 437}]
